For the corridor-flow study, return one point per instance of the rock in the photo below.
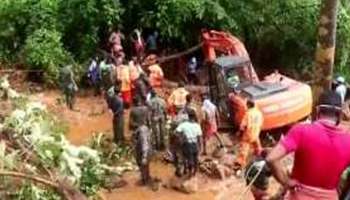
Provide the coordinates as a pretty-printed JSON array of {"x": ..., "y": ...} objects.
[
  {"x": 114, "y": 183},
  {"x": 228, "y": 160},
  {"x": 187, "y": 186},
  {"x": 219, "y": 152}
]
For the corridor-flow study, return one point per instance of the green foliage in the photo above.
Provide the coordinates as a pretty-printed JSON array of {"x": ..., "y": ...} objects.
[
  {"x": 86, "y": 23},
  {"x": 32, "y": 126},
  {"x": 45, "y": 33},
  {"x": 32, "y": 192},
  {"x": 92, "y": 179},
  {"x": 110, "y": 153},
  {"x": 183, "y": 20},
  {"x": 44, "y": 50}
]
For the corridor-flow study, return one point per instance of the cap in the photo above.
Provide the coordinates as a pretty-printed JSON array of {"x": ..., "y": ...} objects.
[
  {"x": 340, "y": 79},
  {"x": 330, "y": 99},
  {"x": 193, "y": 60}
]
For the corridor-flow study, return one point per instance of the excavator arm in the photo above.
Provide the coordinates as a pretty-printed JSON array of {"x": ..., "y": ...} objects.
[{"x": 222, "y": 42}]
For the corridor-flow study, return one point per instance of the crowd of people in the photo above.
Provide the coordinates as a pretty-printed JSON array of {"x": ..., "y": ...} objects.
[{"x": 321, "y": 148}]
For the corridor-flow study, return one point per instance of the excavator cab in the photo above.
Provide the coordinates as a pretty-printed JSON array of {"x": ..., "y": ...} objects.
[
  {"x": 226, "y": 74},
  {"x": 282, "y": 100}
]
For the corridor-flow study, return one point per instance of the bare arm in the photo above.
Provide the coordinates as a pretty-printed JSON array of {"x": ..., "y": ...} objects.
[
  {"x": 274, "y": 161},
  {"x": 346, "y": 188}
]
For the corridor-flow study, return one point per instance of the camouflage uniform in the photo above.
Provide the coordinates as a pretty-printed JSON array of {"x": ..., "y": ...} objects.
[
  {"x": 143, "y": 150},
  {"x": 158, "y": 120},
  {"x": 139, "y": 118},
  {"x": 139, "y": 115},
  {"x": 68, "y": 85},
  {"x": 115, "y": 103}
]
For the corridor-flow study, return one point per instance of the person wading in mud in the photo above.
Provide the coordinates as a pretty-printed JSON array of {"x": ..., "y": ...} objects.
[
  {"x": 250, "y": 128},
  {"x": 209, "y": 123},
  {"x": 177, "y": 99},
  {"x": 115, "y": 104},
  {"x": 68, "y": 85},
  {"x": 191, "y": 133},
  {"x": 188, "y": 107},
  {"x": 158, "y": 119},
  {"x": 139, "y": 114},
  {"x": 321, "y": 154},
  {"x": 141, "y": 87},
  {"x": 95, "y": 76},
  {"x": 141, "y": 139}
]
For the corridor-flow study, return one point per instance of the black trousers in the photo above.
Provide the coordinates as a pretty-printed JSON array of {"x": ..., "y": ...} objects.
[
  {"x": 118, "y": 129},
  {"x": 143, "y": 167},
  {"x": 190, "y": 153}
]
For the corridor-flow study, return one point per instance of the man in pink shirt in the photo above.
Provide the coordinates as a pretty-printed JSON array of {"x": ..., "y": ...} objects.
[{"x": 322, "y": 153}]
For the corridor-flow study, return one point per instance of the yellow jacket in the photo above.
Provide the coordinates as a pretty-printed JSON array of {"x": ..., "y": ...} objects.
[
  {"x": 156, "y": 75},
  {"x": 251, "y": 124},
  {"x": 178, "y": 97},
  {"x": 123, "y": 74}
]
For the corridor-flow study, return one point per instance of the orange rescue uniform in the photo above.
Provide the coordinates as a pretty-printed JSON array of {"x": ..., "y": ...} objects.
[
  {"x": 251, "y": 126},
  {"x": 134, "y": 72},
  {"x": 240, "y": 106},
  {"x": 123, "y": 74},
  {"x": 156, "y": 75},
  {"x": 177, "y": 100}
]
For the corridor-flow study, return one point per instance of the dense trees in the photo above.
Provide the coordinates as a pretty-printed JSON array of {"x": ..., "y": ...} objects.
[{"x": 276, "y": 33}]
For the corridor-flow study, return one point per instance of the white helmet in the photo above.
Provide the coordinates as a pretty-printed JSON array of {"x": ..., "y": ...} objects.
[
  {"x": 340, "y": 79},
  {"x": 193, "y": 60}
]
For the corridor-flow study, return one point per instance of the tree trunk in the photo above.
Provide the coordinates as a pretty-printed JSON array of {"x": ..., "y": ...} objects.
[{"x": 324, "y": 58}]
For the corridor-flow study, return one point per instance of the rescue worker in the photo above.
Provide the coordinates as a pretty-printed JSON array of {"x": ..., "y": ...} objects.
[
  {"x": 340, "y": 87},
  {"x": 141, "y": 139},
  {"x": 139, "y": 115},
  {"x": 68, "y": 85},
  {"x": 106, "y": 68},
  {"x": 321, "y": 153},
  {"x": 95, "y": 76},
  {"x": 115, "y": 104},
  {"x": 177, "y": 99},
  {"x": 115, "y": 40},
  {"x": 151, "y": 43},
  {"x": 158, "y": 119},
  {"x": 250, "y": 129},
  {"x": 142, "y": 143},
  {"x": 238, "y": 108},
  {"x": 188, "y": 106},
  {"x": 192, "y": 139},
  {"x": 192, "y": 71},
  {"x": 156, "y": 75},
  {"x": 209, "y": 123},
  {"x": 123, "y": 75},
  {"x": 141, "y": 87},
  {"x": 138, "y": 44},
  {"x": 135, "y": 70},
  {"x": 260, "y": 174},
  {"x": 175, "y": 140}
]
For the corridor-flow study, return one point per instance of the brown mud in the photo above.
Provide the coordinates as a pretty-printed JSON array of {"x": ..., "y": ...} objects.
[{"x": 91, "y": 116}]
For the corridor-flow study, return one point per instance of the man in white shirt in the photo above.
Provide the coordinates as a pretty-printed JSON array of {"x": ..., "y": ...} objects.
[
  {"x": 192, "y": 140},
  {"x": 341, "y": 87}
]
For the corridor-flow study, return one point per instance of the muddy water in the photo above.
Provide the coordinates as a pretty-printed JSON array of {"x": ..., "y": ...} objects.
[
  {"x": 92, "y": 116},
  {"x": 159, "y": 170}
]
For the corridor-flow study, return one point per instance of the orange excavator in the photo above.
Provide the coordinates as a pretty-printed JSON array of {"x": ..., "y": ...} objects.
[{"x": 282, "y": 100}]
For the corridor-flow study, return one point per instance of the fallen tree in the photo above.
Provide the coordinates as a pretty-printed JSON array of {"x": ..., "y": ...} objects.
[{"x": 37, "y": 162}]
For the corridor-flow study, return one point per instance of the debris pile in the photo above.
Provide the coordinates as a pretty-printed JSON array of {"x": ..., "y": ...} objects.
[{"x": 38, "y": 162}]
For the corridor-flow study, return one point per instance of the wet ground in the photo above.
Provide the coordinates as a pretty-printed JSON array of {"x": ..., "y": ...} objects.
[{"x": 92, "y": 116}]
